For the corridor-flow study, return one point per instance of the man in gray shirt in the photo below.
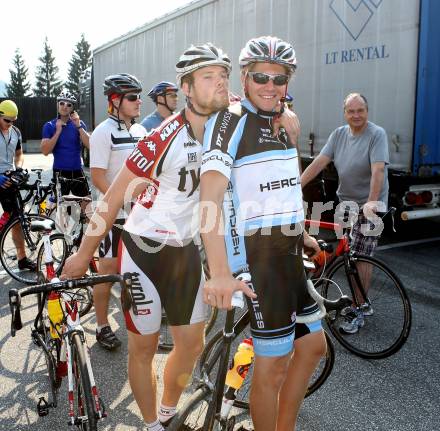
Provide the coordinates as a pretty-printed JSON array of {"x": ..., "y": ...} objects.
[{"x": 359, "y": 151}]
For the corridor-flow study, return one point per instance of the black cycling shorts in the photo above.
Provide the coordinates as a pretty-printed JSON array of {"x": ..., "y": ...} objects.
[
  {"x": 281, "y": 287},
  {"x": 79, "y": 187}
]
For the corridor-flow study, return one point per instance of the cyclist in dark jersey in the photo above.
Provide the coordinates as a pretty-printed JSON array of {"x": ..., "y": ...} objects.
[
  {"x": 158, "y": 237},
  {"x": 252, "y": 175}
]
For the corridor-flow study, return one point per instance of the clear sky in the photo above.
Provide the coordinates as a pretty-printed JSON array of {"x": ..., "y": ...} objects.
[{"x": 28, "y": 23}]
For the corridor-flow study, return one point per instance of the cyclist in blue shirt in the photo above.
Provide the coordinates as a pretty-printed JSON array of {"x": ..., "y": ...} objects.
[
  {"x": 63, "y": 137},
  {"x": 164, "y": 95}
]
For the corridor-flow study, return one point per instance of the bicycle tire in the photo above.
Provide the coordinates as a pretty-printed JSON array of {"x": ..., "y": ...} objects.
[
  {"x": 165, "y": 338},
  {"x": 191, "y": 415},
  {"x": 319, "y": 377},
  {"x": 386, "y": 331},
  {"x": 60, "y": 252},
  {"x": 82, "y": 386},
  {"x": 51, "y": 348},
  {"x": 8, "y": 251}
]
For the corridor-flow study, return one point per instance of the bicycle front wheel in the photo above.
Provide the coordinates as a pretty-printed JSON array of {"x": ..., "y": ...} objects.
[
  {"x": 385, "y": 328},
  {"x": 192, "y": 415},
  {"x": 85, "y": 416},
  {"x": 13, "y": 236}
]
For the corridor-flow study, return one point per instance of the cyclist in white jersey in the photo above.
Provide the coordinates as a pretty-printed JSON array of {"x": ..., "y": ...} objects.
[
  {"x": 253, "y": 174},
  {"x": 110, "y": 144},
  {"x": 157, "y": 240}
]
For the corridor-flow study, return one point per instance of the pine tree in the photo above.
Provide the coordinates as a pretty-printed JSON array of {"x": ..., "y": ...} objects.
[
  {"x": 81, "y": 60},
  {"x": 47, "y": 82},
  {"x": 19, "y": 85}
]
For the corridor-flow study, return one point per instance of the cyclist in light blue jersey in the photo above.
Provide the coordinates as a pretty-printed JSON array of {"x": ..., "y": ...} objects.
[{"x": 251, "y": 174}]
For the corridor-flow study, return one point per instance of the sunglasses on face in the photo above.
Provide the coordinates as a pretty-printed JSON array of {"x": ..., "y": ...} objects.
[
  {"x": 133, "y": 97},
  {"x": 264, "y": 78},
  {"x": 69, "y": 105},
  {"x": 7, "y": 120}
]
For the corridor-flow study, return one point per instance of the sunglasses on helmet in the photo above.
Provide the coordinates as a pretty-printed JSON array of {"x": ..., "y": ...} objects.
[
  {"x": 133, "y": 97},
  {"x": 7, "y": 120},
  {"x": 264, "y": 78},
  {"x": 68, "y": 104}
]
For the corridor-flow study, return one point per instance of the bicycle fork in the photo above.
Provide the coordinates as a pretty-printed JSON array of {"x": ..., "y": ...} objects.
[{"x": 75, "y": 327}]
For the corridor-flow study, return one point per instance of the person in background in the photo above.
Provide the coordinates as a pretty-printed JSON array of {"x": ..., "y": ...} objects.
[
  {"x": 63, "y": 137},
  {"x": 164, "y": 95},
  {"x": 11, "y": 158},
  {"x": 359, "y": 151},
  {"x": 110, "y": 144}
]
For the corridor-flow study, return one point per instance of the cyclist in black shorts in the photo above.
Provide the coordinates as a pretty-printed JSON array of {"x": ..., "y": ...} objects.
[
  {"x": 157, "y": 240},
  {"x": 251, "y": 174},
  {"x": 11, "y": 157},
  {"x": 63, "y": 136}
]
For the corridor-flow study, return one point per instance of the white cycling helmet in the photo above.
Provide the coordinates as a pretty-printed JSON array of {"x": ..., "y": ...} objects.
[
  {"x": 268, "y": 49},
  {"x": 66, "y": 96},
  {"x": 196, "y": 57}
]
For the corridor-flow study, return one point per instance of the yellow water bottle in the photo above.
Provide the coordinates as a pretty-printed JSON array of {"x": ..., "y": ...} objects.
[
  {"x": 240, "y": 364},
  {"x": 55, "y": 313},
  {"x": 236, "y": 374}
]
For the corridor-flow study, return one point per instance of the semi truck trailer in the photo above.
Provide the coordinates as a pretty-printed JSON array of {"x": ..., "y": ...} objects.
[{"x": 388, "y": 50}]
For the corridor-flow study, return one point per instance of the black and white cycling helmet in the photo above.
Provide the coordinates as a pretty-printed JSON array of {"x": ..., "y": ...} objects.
[
  {"x": 268, "y": 49},
  {"x": 196, "y": 57},
  {"x": 121, "y": 83},
  {"x": 66, "y": 96}
]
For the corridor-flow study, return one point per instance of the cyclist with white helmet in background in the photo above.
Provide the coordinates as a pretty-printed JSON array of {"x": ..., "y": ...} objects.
[
  {"x": 11, "y": 157},
  {"x": 164, "y": 95},
  {"x": 63, "y": 137},
  {"x": 111, "y": 143},
  {"x": 160, "y": 235},
  {"x": 250, "y": 175}
]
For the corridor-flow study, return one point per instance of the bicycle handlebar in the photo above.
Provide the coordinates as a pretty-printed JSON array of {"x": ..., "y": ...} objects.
[{"x": 15, "y": 295}]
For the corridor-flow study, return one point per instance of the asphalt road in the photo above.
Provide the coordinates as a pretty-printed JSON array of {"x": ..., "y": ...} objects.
[{"x": 399, "y": 393}]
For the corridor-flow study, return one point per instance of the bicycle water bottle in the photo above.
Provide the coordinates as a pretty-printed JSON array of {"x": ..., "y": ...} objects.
[
  {"x": 236, "y": 374},
  {"x": 4, "y": 219},
  {"x": 55, "y": 313}
]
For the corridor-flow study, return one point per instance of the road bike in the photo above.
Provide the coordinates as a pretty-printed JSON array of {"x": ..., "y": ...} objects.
[
  {"x": 72, "y": 219},
  {"x": 379, "y": 299},
  {"x": 204, "y": 408},
  {"x": 18, "y": 224},
  {"x": 62, "y": 341}
]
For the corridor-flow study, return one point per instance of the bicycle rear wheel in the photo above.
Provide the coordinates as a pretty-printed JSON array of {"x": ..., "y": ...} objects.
[
  {"x": 85, "y": 416},
  {"x": 8, "y": 250},
  {"x": 385, "y": 331},
  {"x": 60, "y": 252}
]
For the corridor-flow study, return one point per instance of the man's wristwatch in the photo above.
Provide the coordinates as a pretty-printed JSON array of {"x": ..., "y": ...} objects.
[{"x": 78, "y": 127}]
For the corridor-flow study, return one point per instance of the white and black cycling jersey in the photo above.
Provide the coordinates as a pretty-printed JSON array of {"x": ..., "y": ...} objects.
[
  {"x": 170, "y": 158},
  {"x": 111, "y": 143}
]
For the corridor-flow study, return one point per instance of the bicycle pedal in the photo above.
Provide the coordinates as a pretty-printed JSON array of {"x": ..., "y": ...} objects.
[{"x": 42, "y": 407}]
